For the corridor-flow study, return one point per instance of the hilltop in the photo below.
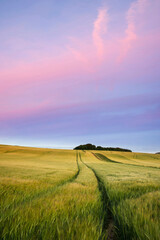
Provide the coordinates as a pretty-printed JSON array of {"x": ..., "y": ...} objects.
[{"x": 90, "y": 146}]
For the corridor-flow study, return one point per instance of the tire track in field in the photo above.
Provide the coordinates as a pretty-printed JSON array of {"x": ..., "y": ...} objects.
[
  {"x": 102, "y": 157},
  {"x": 40, "y": 194},
  {"x": 108, "y": 222}
]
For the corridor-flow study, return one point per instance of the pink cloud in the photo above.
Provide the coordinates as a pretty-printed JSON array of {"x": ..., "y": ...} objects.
[
  {"x": 118, "y": 105},
  {"x": 135, "y": 9},
  {"x": 99, "y": 30},
  {"x": 43, "y": 71},
  {"x": 88, "y": 60}
]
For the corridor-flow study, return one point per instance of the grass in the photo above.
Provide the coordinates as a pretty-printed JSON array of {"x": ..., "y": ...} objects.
[{"x": 50, "y": 194}]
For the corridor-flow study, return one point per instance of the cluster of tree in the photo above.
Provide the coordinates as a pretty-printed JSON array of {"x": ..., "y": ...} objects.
[
  {"x": 90, "y": 146},
  {"x": 158, "y": 153}
]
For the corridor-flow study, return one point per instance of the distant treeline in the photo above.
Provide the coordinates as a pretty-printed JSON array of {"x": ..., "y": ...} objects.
[{"x": 90, "y": 146}]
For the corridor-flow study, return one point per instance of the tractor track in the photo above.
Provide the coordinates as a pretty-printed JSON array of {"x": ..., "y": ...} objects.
[
  {"x": 108, "y": 227},
  {"x": 102, "y": 157},
  {"x": 40, "y": 194}
]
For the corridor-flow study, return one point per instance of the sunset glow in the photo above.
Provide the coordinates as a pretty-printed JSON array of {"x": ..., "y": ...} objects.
[{"x": 73, "y": 72}]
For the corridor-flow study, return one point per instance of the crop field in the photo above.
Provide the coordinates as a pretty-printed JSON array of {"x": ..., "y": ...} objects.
[{"x": 50, "y": 194}]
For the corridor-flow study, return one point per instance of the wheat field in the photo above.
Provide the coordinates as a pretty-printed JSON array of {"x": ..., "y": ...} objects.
[{"x": 65, "y": 194}]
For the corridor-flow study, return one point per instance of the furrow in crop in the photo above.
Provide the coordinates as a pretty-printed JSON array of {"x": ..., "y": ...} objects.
[
  {"x": 104, "y": 158},
  {"x": 108, "y": 222},
  {"x": 51, "y": 190}
]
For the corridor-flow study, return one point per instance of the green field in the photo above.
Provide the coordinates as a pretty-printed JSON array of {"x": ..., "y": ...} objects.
[{"x": 50, "y": 194}]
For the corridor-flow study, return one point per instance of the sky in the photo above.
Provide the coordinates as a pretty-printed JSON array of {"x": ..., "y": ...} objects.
[{"x": 75, "y": 72}]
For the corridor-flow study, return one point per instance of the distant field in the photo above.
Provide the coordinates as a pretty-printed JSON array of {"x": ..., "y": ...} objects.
[{"x": 64, "y": 194}]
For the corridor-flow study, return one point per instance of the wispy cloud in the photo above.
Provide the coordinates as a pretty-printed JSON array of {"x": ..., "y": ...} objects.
[
  {"x": 99, "y": 30},
  {"x": 136, "y": 8}
]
